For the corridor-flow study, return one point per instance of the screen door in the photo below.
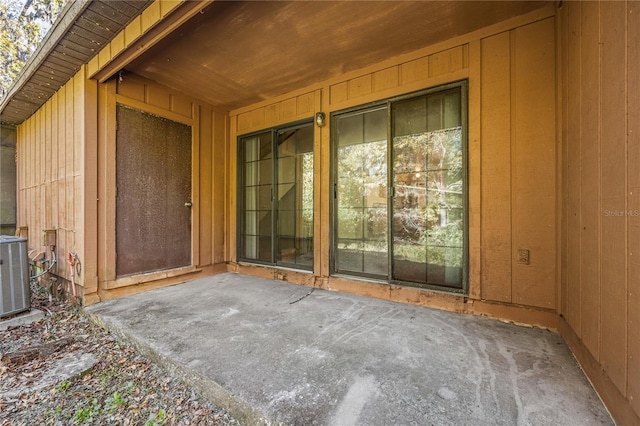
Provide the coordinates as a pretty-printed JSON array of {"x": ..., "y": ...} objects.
[{"x": 153, "y": 177}]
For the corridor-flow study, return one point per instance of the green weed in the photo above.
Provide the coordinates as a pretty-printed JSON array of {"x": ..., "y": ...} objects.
[
  {"x": 157, "y": 419},
  {"x": 114, "y": 402}
]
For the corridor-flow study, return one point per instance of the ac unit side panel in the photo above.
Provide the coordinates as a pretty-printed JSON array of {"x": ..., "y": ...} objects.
[{"x": 15, "y": 294}]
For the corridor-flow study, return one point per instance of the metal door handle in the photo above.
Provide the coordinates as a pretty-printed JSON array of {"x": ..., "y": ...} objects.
[{"x": 188, "y": 204}]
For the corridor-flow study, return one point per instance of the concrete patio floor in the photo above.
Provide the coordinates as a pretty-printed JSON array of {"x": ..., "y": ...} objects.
[{"x": 340, "y": 359}]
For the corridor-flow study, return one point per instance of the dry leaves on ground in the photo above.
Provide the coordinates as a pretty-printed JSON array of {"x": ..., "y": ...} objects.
[{"x": 122, "y": 387}]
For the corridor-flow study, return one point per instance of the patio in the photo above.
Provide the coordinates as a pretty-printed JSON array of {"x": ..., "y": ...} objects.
[{"x": 271, "y": 352}]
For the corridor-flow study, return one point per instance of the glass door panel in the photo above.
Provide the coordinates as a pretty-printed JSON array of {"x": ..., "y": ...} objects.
[
  {"x": 256, "y": 184},
  {"x": 295, "y": 197},
  {"x": 360, "y": 183},
  {"x": 428, "y": 216}
]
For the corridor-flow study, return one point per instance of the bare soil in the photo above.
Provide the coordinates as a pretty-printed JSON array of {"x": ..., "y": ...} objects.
[{"x": 121, "y": 388}]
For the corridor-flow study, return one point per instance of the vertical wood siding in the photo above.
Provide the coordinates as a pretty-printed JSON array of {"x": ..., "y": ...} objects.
[
  {"x": 50, "y": 181},
  {"x": 212, "y": 180},
  {"x": 601, "y": 173},
  {"x": 633, "y": 202},
  {"x": 518, "y": 165},
  {"x": 533, "y": 154},
  {"x": 495, "y": 216}
]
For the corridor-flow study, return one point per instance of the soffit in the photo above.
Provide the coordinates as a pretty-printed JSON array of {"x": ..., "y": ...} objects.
[
  {"x": 234, "y": 54},
  {"x": 81, "y": 30}
]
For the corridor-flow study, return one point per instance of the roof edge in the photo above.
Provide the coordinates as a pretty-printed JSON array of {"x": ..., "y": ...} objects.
[{"x": 68, "y": 16}]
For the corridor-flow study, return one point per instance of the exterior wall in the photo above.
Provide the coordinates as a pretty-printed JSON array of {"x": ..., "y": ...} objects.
[
  {"x": 209, "y": 133},
  {"x": 600, "y": 101},
  {"x": 7, "y": 180},
  {"x": 512, "y": 162},
  {"x": 52, "y": 189}
]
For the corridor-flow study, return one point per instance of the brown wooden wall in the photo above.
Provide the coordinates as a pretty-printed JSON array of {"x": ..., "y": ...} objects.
[
  {"x": 600, "y": 98},
  {"x": 511, "y": 68},
  {"x": 518, "y": 165},
  {"x": 51, "y": 176},
  {"x": 209, "y": 133}
]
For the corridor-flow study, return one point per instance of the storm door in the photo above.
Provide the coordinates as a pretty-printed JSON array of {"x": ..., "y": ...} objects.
[
  {"x": 275, "y": 201},
  {"x": 399, "y": 209},
  {"x": 153, "y": 202}
]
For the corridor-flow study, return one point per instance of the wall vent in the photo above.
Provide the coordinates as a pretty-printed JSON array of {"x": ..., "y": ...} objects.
[{"x": 15, "y": 294}]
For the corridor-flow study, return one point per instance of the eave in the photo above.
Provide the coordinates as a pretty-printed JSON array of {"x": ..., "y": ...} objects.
[{"x": 81, "y": 30}]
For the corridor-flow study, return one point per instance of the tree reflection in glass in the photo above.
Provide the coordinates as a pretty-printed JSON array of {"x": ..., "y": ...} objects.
[
  {"x": 361, "y": 184},
  {"x": 428, "y": 219}
]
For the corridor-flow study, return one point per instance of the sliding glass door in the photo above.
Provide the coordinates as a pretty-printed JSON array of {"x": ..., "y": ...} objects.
[
  {"x": 360, "y": 188},
  {"x": 428, "y": 181},
  {"x": 275, "y": 196},
  {"x": 400, "y": 192}
]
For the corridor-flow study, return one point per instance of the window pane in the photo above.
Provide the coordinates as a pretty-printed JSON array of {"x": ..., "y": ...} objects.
[
  {"x": 295, "y": 197},
  {"x": 264, "y": 198},
  {"x": 287, "y": 196},
  {"x": 452, "y": 111},
  {"x": 375, "y": 260},
  {"x": 409, "y": 261},
  {"x": 409, "y": 117},
  {"x": 286, "y": 222},
  {"x": 251, "y": 227},
  {"x": 428, "y": 215},
  {"x": 287, "y": 169},
  {"x": 349, "y": 256},
  {"x": 266, "y": 146},
  {"x": 256, "y": 176},
  {"x": 251, "y": 247},
  {"x": 409, "y": 154},
  {"x": 434, "y": 112},
  {"x": 375, "y": 125},
  {"x": 251, "y": 173},
  {"x": 251, "y": 149},
  {"x": 350, "y": 131},
  {"x": 350, "y": 223},
  {"x": 251, "y": 198},
  {"x": 361, "y": 181}
]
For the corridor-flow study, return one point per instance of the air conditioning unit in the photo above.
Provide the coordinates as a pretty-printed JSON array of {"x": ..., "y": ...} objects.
[{"x": 15, "y": 293}]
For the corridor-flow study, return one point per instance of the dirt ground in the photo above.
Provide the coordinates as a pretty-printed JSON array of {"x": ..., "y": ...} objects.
[{"x": 115, "y": 384}]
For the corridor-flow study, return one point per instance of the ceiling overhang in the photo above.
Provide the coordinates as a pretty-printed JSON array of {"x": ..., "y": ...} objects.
[{"x": 234, "y": 54}]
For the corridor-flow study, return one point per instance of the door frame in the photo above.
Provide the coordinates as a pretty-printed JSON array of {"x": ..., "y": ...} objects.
[{"x": 108, "y": 98}]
